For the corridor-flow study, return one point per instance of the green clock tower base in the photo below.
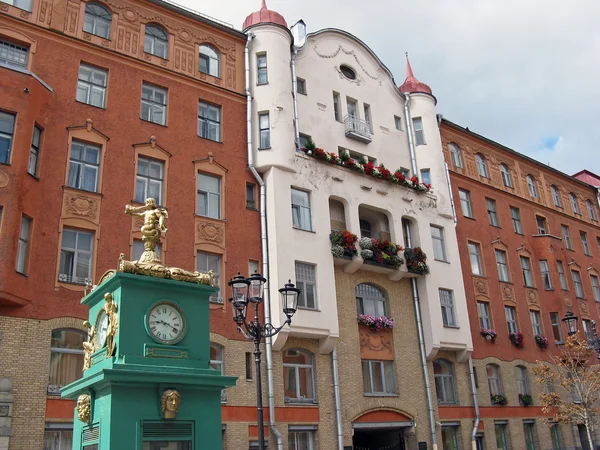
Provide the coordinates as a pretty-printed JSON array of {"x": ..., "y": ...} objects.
[{"x": 147, "y": 382}]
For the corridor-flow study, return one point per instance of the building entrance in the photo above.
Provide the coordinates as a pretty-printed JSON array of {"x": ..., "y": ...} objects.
[{"x": 379, "y": 439}]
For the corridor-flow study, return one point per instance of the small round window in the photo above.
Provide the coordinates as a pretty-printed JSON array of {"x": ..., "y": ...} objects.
[{"x": 348, "y": 72}]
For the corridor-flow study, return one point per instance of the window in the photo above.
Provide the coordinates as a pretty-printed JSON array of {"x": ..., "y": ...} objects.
[
  {"x": 84, "y": 166},
  {"x": 502, "y": 264},
  {"x": 532, "y": 186},
  {"x": 398, "y": 123},
  {"x": 439, "y": 246},
  {"x": 511, "y": 319},
  {"x": 250, "y": 196},
  {"x": 483, "y": 309},
  {"x": 545, "y": 270},
  {"x": 591, "y": 209},
  {"x": 303, "y": 140},
  {"x": 348, "y": 72},
  {"x": 58, "y": 439},
  {"x": 491, "y": 212},
  {"x": 210, "y": 261},
  {"x": 23, "y": 245},
  {"x": 566, "y": 237},
  {"x": 556, "y": 196},
  {"x": 542, "y": 225},
  {"x": 587, "y": 328},
  {"x": 76, "y": 256},
  {"x": 13, "y": 55},
  {"x": 481, "y": 165},
  {"x": 352, "y": 106},
  {"x": 156, "y": 41},
  {"x": 595, "y": 287},
  {"x": 530, "y": 441},
  {"x": 138, "y": 249},
  {"x": 506, "y": 178},
  {"x": 306, "y": 281},
  {"x": 584, "y": 243},
  {"x": 91, "y": 85},
  {"x": 577, "y": 282},
  {"x": 450, "y": 437},
  {"x": 34, "y": 152},
  {"x": 443, "y": 372},
  {"x": 536, "y": 322},
  {"x": 248, "y": 366},
  {"x": 209, "y": 196},
  {"x": 261, "y": 66},
  {"x": 456, "y": 155},
  {"x": 301, "y": 216},
  {"x": 149, "y": 181},
  {"x": 154, "y": 104},
  {"x": 494, "y": 383},
  {"x": 367, "y": 110},
  {"x": 336, "y": 107},
  {"x": 447, "y": 303},
  {"x": 526, "y": 269},
  {"x": 97, "y": 20},
  {"x": 301, "y": 440},
  {"x": 574, "y": 203},
  {"x": 555, "y": 435},
  {"x": 501, "y": 436},
  {"x": 465, "y": 203},
  {"x": 209, "y": 121},
  {"x": 522, "y": 382},
  {"x": 370, "y": 300},
  {"x": 556, "y": 327},
  {"x": 418, "y": 127},
  {"x": 515, "y": 215},
  {"x": 209, "y": 60},
  {"x": 378, "y": 377},
  {"x": 253, "y": 267},
  {"x": 365, "y": 228},
  {"x": 298, "y": 376},
  {"x": 561, "y": 275},
  {"x": 475, "y": 257},
  {"x": 301, "y": 85},
  {"x": 216, "y": 357},
  {"x": 66, "y": 358},
  {"x": 265, "y": 130}
]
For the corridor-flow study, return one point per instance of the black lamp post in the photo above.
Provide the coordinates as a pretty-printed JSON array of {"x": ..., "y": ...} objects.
[
  {"x": 570, "y": 321},
  {"x": 250, "y": 290}
]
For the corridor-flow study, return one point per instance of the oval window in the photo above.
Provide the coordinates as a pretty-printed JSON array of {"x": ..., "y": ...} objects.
[{"x": 348, "y": 72}]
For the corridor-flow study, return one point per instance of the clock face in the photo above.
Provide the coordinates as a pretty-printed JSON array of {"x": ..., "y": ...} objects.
[
  {"x": 166, "y": 323},
  {"x": 101, "y": 327}
]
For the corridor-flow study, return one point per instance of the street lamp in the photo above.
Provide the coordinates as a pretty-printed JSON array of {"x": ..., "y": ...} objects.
[
  {"x": 593, "y": 342},
  {"x": 247, "y": 291},
  {"x": 570, "y": 321}
]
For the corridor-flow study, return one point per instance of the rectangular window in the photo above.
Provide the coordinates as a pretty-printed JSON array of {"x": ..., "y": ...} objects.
[
  {"x": 7, "y": 131},
  {"x": 501, "y": 436},
  {"x": 337, "y": 111},
  {"x": 58, "y": 439},
  {"x": 536, "y": 322},
  {"x": 450, "y": 437},
  {"x": 585, "y": 243},
  {"x": 209, "y": 121},
  {"x": 545, "y": 270},
  {"x": 556, "y": 327},
  {"x": 209, "y": 196},
  {"x": 301, "y": 214},
  {"x": 138, "y": 250},
  {"x": 465, "y": 203},
  {"x": 210, "y": 261},
  {"x": 253, "y": 267},
  {"x": 84, "y": 166},
  {"x": 398, "y": 123},
  {"x": 367, "y": 110},
  {"x": 526, "y": 269},
  {"x": 566, "y": 237},
  {"x": 555, "y": 435},
  {"x": 154, "y": 104},
  {"x": 426, "y": 176},
  {"x": 483, "y": 309},
  {"x": 301, "y": 440},
  {"x": 13, "y": 55},
  {"x": 447, "y": 302},
  {"x": 511, "y": 319},
  {"x": 91, "y": 86},
  {"x": 306, "y": 281},
  {"x": 439, "y": 246},
  {"x": 76, "y": 256},
  {"x": 250, "y": 196},
  {"x": 149, "y": 180},
  {"x": 542, "y": 225},
  {"x": 352, "y": 107},
  {"x": 378, "y": 377},
  {"x": 515, "y": 215},
  {"x": 303, "y": 140},
  {"x": 475, "y": 257},
  {"x": 248, "y": 366},
  {"x": 502, "y": 266},
  {"x": 265, "y": 130},
  {"x": 34, "y": 152},
  {"x": 530, "y": 440},
  {"x": 577, "y": 283},
  {"x": 418, "y": 127},
  {"x": 23, "y": 245},
  {"x": 492, "y": 212},
  {"x": 595, "y": 287},
  {"x": 261, "y": 67},
  {"x": 561, "y": 275},
  {"x": 587, "y": 328},
  {"x": 301, "y": 85}
]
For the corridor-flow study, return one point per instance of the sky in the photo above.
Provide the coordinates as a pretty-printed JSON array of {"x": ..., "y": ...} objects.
[{"x": 524, "y": 73}]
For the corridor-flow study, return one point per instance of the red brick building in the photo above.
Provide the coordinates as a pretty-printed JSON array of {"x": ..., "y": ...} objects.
[{"x": 529, "y": 239}]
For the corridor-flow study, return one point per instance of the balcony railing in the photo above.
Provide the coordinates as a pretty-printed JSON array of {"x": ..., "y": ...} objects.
[
  {"x": 357, "y": 129},
  {"x": 74, "y": 280}
]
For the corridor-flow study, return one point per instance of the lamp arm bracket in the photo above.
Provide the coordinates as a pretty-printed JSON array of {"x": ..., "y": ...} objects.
[{"x": 269, "y": 330}]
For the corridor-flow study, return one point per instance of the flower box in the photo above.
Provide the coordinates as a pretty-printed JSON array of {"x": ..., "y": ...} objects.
[
  {"x": 375, "y": 323},
  {"x": 517, "y": 339},
  {"x": 525, "y": 399},
  {"x": 498, "y": 400},
  {"x": 343, "y": 244},
  {"x": 416, "y": 260},
  {"x": 384, "y": 253},
  {"x": 541, "y": 341},
  {"x": 489, "y": 334}
]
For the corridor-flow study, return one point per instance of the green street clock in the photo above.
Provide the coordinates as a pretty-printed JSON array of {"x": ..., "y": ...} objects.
[{"x": 166, "y": 322}]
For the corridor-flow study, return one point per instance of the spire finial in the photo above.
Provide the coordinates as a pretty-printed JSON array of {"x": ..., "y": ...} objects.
[
  {"x": 264, "y": 4},
  {"x": 409, "y": 72}
]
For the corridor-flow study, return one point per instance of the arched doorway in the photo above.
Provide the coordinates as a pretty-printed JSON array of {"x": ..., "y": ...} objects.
[{"x": 381, "y": 430}]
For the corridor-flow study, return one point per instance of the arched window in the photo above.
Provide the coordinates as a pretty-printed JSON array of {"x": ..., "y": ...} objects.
[
  {"x": 574, "y": 203},
  {"x": 456, "y": 155},
  {"x": 156, "y": 41},
  {"x": 209, "y": 60},
  {"x": 521, "y": 378},
  {"x": 370, "y": 300},
  {"x": 97, "y": 20},
  {"x": 532, "y": 187},
  {"x": 556, "y": 196},
  {"x": 481, "y": 165},
  {"x": 66, "y": 358},
  {"x": 298, "y": 376},
  {"x": 443, "y": 372},
  {"x": 216, "y": 357},
  {"x": 591, "y": 209},
  {"x": 506, "y": 178},
  {"x": 494, "y": 382}
]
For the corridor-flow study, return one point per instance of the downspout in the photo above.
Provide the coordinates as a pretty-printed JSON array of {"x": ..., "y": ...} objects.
[
  {"x": 411, "y": 144},
  {"x": 336, "y": 396},
  {"x": 295, "y": 97},
  {"x": 475, "y": 404},
  {"x": 264, "y": 247}
]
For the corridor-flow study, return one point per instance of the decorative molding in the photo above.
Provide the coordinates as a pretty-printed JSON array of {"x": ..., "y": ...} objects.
[
  {"x": 532, "y": 297},
  {"x": 481, "y": 286},
  {"x": 4, "y": 179},
  {"x": 358, "y": 80},
  {"x": 81, "y": 205},
  {"x": 583, "y": 307},
  {"x": 211, "y": 232},
  {"x": 508, "y": 292},
  {"x": 379, "y": 343},
  {"x": 349, "y": 53},
  {"x": 568, "y": 302}
]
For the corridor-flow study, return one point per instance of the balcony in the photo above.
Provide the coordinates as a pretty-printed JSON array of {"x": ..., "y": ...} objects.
[{"x": 357, "y": 129}]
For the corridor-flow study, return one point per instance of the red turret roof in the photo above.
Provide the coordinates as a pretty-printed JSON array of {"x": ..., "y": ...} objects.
[
  {"x": 265, "y": 15},
  {"x": 411, "y": 84}
]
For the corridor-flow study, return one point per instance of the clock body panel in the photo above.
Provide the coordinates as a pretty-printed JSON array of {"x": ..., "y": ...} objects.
[{"x": 166, "y": 322}]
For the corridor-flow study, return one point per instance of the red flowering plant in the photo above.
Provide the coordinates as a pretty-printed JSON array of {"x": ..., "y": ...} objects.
[
  {"x": 381, "y": 252},
  {"x": 343, "y": 243},
  {"x": 517, "y": 339},
  {"x": 489, "y": 334},
  {"x": 541, "y": 341},
  {"x": 416, "y": 260},
  {"x": 374, "y": 322}
]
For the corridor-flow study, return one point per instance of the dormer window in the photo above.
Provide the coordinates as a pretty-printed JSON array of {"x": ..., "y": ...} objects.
[{"x": 348, "y": 72}]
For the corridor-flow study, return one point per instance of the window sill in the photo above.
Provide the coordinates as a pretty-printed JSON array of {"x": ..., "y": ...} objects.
[
  {"x": 251, "y": 209},
  {"x": 262, "y": 84},
  {"x": 305, "y": 308},
  {"x": 22, "y": 274},
  {"x": 152, "y": 54},
  {"x": 301, "y": 402},
  {"x": 72, "y": 283},
  {"x": 441, "y": 260},
  {"x": 89, "y": 104},
  {"x": 496, "y": 226},
  {"x": 97, "y": 35},
  {"x": 35, "y": 177},
  {"x": 211, "y": 140},
  {"x": 155, "y": 123},
  {"x": 16, "y": 7},
  {"x": 529, "y": 287},
  {"x": 303, "y": 93},
  {"x": 264, "y": 148},
  {"x": 479, "y": 276},
  {"x": 211, "y": 218},
  {"x": 4, "y": 163},
  {"x": 83, "y": 190},
  {"x": 469, "y": 217},
  {"x": 448, "y": 404},
  {"x": 380, "y": 394},
  {"x": 302, "y": 229},
  {"x": 580, "y": 298},
  {"x": 456, "y": 327}
]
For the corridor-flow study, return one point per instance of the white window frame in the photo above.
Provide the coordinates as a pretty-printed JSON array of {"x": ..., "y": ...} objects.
[
  {"x": 439, "y": 243},
  {"x": 296, "y": 368},
  {"x": 368, "y": 297},
  {"x": 483, "y": 311},
  {"x": 306, "y": 280},
  {"x": 502, "y": 263},
  {"x": 147, "y": 180},
  {"x": 264, "y": 130},
  {"x": 522, "y": 380},
  {"x": 337, "y": 107},
  {"x": 156, "y": 41},
  {"x": 536, "y": 322},
  {"x": 9, "y": 135},
  {"x": 295, "y": 441},
  {"x": 475, "y": 258},
  {"x": 579, "y": 292},
  {"x": 23, "y": 245},
  {"x": 82, "y": 166},
  {"x": 556, "y": 196},
  {"x": 156, "y": 110},
  {"x": 96, "y": 19},
  {"x": 297, "y": 218},
  {"x": 54, "y": 389},
  {"x": 368, "y": 118},
  {"x": 510, "y": 312},
  {"x": 203, "y": 266},
  {"x": 426, "y": 176},
  {"x": 546, "y": 277},
  {"x": 494, "y": 380},
  {"x": 219, "y": 362},
  {"x": 61, "y": 430},
  {"x": 482, "y": 168},
  {"x": 447, "y": 305},
  {"x": 556, "y": 326},
  {"x": 595, "y": 287},
  {"x": 34, "y": 152},
  {"x": 586, "y": 326},
  {"x": 506, "y": 177},
  {"x": 212, "y": 59},
  {"x": 492, "y": 212},
  {"x": 97, "y": 83},
  {"x": 418, "y": 130},
  {"x": 526, "y": 271},
  {"x": 561, "y": 275},
  {"x": 591, "y": 210},
  {"x": 585, "y": 243},
  {"x": 262, "y": 74},
  {"x": 442, "y": 380},
  {"x": 574, "y": 204},
  {"x": 77, "y": 253},
  {"x": 382, "y": 364},
  {"x": 515, "y": 215},
  {"x": 566, "y": 237},
  {"x": 209, "y": 127},
  {"x": 209, "y": 196},
  {"x": 13, "y": 55},
  {"x": 542, "y": 225},
  {"x": 456, "y": 156},
  {"x": 532, "y": 186},
  {"x": 465, "y": 203}
]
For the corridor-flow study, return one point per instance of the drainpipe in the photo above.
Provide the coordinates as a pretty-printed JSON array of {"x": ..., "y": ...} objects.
[
  {"x": 264, "y": 248},
  {"x": 475, "y": 404},
  {"x": 295, "y": 97},
  {"x": 411, "y": 144},
  {"x": 450, "y": 193},
  {"x": 338, "y": 403}
]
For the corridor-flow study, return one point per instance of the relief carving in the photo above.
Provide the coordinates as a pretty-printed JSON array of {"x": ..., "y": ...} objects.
[
  {"x": 507, "y": 292},
  {"x": 4, "y": 180},
  {"x": 87, "y": 36},
  {"x": 147, "y": 57},
  {"x": 134, "y": 43},
  {"x": 120, "y": 39},
  {"x": 568, "y": 302},
  {"x": 3, "y": 7},
  {"x": 349, "y": 53},
  {"x": 377, "y": 345},
  {"x": 164, "y": 62},
  {"x": 481, "y": 286},
  {"x": 211, "y": 232},
  {"x": 25, "y": 14},
  {"x": 43, "y": 9},
  {"x": 105, "y": 43},
  {"x": 190, "y": 61},
  {"x": 532, "y": 297},
  {"x": 185, "y": 35},
  {"x": 177, "y": 57},
  {"x": 129, "y": 15},
  {"x": 583, "y": 307},
  {"x": 81, "y": 205}
]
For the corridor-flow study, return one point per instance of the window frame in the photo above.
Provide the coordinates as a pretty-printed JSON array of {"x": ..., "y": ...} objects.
[
  {"x": 456, "y": 155},
  {"x": 337, "y": 107},
  {"x": 532, "y": 186},
  {"x": 556, "y": 323},
  {"x": 574, "y": 204},
  {"x": 477, "y": 255},
  {"x": 301, "y": 82},
  {"x": 556, "y": 196},
  {"x": 506, "y": 176},
  {"x": 465, "y": 203},
  {"x": 577, "y": 282},
  {"x": 17, "y": 54},
  {"x": 264, "y": 134},
  {"x": 216, "y": 297},
  {"x": 542, "y": 225},
  {"x": 207, "y": 121},
  {"x": 82, "y": 165},
  {"x": 492, "y": 212},
  {"x": 502, "y": 264},
  {"x": 23, "y": 245},
  {"x": 211, "y": 60},
  {"x": 512, "y": 322},
  {"x": 208, "y": 195},
  {"x": 153, "y": 104},
  {"x": 482, "y": 168},
  {"x": 418, "y": 131},
  {"x": 297, "y": 443},
  {"x": 591, "y": 210},
  {"x": 371, "y": 392},
  {"x": 515, "y": 216},
  {"x": 298, "y": 224},
  {"x": 595, "y": 286},
  {"x": 71, "y": 278},
  {"x": 374, "y": 295},
  {"x": 522, "y": 380},
  {"x": 562, "y": 277},
  {"x": 585, "y": 243},
  {"x": 441, "y": 243},
  {"x": 92, "y": 86},
  {"x": 444, "y": 397},
  {"x": 527, "y": 271},
  {"x": 536, "y": 322},
  {"x": 150, "y": 40},
  {"x": 303, "y": 283},
  {"x": 545, "y": 273},
  {"x": 52, "y": 388},
  {"x": 34, "y": 151},
  {"x": 262, "y": 71},
  {"x": 296, "y": 367},
  {"x": 483, "y": 313},
  {"x": 566, "y": 236},
  {"x": 251, "y": 202},
  {"x": 497, "y": 388},
  {"x": 398, "y": 123},
  {"x": 147, "y": 179},
  {"x": 449, "y": 318},
  {"x": 96, "y": 18}
]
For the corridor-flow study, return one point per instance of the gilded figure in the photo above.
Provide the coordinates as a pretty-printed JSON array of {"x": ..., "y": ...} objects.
[
  {"x": 88, "y": 346},
  {"x": 84, "y": 408},
  {"x": 154, "y": 225},
  {"x": 169, "y": 403},
  {"x": 111, "y": 311}
]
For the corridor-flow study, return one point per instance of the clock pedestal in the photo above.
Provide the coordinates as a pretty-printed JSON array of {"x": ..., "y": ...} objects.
[{"x": 139, "y": 393}]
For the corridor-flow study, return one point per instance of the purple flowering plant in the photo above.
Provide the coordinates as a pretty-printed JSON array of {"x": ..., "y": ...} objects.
[{"x": 376, "y": 323}]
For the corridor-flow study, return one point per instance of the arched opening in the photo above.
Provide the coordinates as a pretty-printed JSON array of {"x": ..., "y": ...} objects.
[{"x": 383, "y": 429}]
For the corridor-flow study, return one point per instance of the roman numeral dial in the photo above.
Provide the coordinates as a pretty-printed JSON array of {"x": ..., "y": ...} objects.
[{"x": 166, "y": 323}]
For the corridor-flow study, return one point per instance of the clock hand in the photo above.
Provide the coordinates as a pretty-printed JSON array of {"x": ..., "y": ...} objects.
[{"x": 167, "y": 324}]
